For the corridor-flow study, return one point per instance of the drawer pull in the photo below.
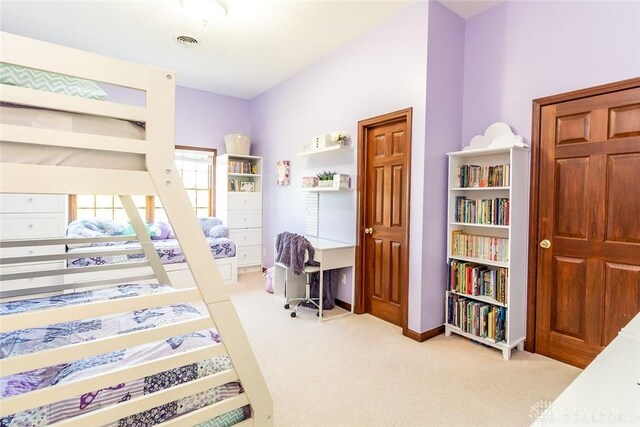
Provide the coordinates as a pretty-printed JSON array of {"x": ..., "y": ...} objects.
[
  {"x": 30, "y": 199},
  {"x": 31, "y": 252},
  {"x": 30, "y": 226}
]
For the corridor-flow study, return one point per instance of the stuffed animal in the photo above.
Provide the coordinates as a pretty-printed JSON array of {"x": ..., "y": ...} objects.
[{"x": 160, "y": 230}]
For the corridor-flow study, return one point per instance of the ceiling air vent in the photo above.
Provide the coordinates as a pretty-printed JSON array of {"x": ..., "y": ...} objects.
[{"x": 187, "y": 40}]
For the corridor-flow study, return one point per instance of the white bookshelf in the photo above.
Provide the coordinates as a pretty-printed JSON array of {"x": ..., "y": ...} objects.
[
  {"x": 516, "y": 232},
  {"x": 239, "y": 210}
]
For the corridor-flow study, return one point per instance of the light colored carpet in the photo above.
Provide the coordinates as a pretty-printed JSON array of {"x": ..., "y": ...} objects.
[{"x": 361, "y": 371}]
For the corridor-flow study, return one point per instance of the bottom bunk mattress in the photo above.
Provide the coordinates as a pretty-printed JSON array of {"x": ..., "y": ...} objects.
[
  {"x": 56, "y": 335},
  {"x": 168, "y": 250}
]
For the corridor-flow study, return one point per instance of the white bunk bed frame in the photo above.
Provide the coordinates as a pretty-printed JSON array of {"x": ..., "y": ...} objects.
[{"x": 161, "y": 179}]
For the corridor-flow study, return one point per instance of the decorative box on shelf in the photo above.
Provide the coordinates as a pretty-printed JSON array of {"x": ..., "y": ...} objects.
[
  {"x": 309, "y": 181},
  {"x": 321, "y": 141},
  {"x": 341, "y": 180}
]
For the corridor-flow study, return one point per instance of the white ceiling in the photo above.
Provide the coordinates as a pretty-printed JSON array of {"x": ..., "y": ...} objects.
[
  {"x": 259, "y": 44},
  {"x": 469, "y": 8}
]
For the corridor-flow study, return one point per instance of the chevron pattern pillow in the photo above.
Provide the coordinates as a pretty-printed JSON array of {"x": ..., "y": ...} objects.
[{"x": 16, "y": 75}]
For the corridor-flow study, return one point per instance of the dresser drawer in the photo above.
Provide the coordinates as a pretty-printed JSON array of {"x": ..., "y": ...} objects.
[
  {"x": 246, "y": 236},
  {"x": 31, "y": 226},
  {"x": 31, "y": 251},
  {"x": 244, "y": 201},
  {"x": 10, "y": 203},
  {"x": 33, "y": 282},
  {"x": 242, "y": 219},
  {"x": 249, "y": 255}
]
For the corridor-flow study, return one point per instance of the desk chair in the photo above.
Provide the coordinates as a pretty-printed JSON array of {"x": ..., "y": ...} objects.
[{"x": 308, "y": 270}]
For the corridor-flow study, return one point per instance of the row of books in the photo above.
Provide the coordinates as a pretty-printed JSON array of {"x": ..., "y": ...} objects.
[
  {"x": 474, "y": 176},
  {"x": 241, "y": 166},
  {"x": 482, "y": 211},
  {"x": 480, "y": 319},
  {"x": 478, "y": 280},
  {"x": 483, "y": 247}
]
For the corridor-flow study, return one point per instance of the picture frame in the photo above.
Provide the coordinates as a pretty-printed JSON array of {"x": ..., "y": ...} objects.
[
  {"x": 283, "y": 171},
  {"x": 248, "y": 187}
]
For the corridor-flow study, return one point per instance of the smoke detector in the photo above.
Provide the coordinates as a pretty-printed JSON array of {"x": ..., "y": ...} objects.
[{"x": 187, "y": 40}]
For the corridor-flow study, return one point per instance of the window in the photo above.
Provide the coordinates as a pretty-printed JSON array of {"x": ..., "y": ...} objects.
[{"x": 196, "y": 167}]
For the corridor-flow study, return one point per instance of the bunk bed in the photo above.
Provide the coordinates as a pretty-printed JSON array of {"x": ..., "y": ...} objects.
[{"x": 115, "y": 351}]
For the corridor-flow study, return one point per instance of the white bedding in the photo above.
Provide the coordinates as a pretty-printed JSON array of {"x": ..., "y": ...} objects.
[{"x": 11, "y": 152}]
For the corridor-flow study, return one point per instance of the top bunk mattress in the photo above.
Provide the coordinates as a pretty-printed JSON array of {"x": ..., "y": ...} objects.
[{"x": 17, "y": 115}]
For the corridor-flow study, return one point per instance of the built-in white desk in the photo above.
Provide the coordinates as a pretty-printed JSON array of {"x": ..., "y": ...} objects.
[{"x": 331, "y": 255}]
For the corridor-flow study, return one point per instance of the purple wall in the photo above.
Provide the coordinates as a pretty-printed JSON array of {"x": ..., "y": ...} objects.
[
  {"x": 519, "y": 51},
  {"x": 382, "y": 71},
  {"x": 445, "y": 74},
  {"x": 202, "y": 118}
]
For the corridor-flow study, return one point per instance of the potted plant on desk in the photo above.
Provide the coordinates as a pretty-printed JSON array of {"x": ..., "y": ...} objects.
[{"x": 325, "y": 179}]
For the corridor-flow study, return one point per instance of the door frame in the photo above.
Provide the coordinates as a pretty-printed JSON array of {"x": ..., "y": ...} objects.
[
  {"x": 363, "y": 133},
  {"x": 536, "y": 123}
]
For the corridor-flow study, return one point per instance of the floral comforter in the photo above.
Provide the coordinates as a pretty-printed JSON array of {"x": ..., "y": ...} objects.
[
  {"x": 68, "y": 333},
  {"x": 169, "y": 251}
]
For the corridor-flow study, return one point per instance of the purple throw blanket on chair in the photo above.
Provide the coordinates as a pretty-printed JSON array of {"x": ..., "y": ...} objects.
[{"x": 291, "y": 249}]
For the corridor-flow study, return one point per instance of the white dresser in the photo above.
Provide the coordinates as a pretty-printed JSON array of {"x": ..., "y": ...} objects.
[
  {"x": 32, "y": 216},
  {"x": 239, "y": 208}
]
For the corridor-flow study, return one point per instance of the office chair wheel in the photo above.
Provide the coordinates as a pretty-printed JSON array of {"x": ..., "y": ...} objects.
[
  {"x": 286, "y": 306},
  {"x": 293, "y": 314},
  {"x": 317, "y": 314}
]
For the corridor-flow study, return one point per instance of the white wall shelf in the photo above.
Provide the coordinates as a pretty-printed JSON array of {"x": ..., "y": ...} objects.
[
  {"x": 329, "y": 150},
  {"x": 516, "y": 234}
]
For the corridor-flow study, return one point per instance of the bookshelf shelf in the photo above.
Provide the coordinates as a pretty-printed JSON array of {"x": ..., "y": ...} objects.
[
  {"x": 471, "y": 224},
  {"x": 501, "y": 345},
  {"x": 502, "y": 323},
  {"x": 244, "y": 174},
  {"x": 482, "y": 298},
  {"x": 479, "y": 188},
  {"x": 480, "y": 261}
]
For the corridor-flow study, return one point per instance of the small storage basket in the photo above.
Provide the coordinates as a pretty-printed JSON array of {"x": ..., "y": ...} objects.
[{"x": 237, "y": 143}]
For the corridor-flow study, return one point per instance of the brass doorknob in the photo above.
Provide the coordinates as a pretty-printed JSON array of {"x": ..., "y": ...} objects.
[
  {"x": 368, "y": 230},
  {"x": 545, "y": 244}
]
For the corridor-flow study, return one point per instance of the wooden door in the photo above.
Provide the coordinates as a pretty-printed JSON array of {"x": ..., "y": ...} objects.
[
  {"x": 588, "y": 280},
  {"x": 385, "y": 217}
]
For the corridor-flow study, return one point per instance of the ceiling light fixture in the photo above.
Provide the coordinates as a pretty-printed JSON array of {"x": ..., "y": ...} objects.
[{"x": 205, "y": 11}]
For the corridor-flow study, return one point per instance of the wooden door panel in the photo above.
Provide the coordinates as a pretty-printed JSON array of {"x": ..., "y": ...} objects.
[
  {"x": 378, "y": 269},
  {"x": 624, "y": 122},
  {"x": 397, "y": 200},
  {"x": 623, "y": 209},
  {"x": 621, "y": 297},
  {"x": 380, "y": 145},
  {"x": 573, "y": 129},
  {"x": 568, "y": 296},
  {"x": 398, "y": 143},
  {"x": 572, "y": 215},
  {"x": 395, "y": 273},
  {"x": 378, "y": 191}
]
